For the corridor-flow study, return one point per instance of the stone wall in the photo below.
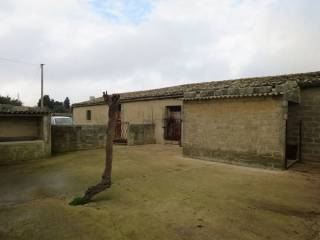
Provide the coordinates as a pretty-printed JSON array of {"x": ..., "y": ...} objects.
[
  {"x": 77, "y": 137},
  {"x": 139, "y": 134},
  {"x": 22, "y": 151},
  {"x": 309, "y": 111},
  {"x": 20, "y": 127},
  {"x": 246, "y": 131},
  {"x": 13, "y": 152}
]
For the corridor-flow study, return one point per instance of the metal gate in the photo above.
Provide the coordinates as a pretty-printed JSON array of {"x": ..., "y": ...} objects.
[{"x": 121, "y": 132}]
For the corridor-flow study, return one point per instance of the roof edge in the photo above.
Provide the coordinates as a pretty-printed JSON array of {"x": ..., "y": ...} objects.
[{"x": 234, "y": 96}]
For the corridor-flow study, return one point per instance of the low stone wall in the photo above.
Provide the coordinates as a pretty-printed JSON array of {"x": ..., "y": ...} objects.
[
  {"x": 233, "y": 157},
  {"x": 77, "y": 137},
  {"x": 139, "y": 134},
  {"x": 21, "y": 151}
]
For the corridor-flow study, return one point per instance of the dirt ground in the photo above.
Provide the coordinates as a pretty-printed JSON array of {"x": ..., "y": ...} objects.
[{"x": 158, "y": 194}]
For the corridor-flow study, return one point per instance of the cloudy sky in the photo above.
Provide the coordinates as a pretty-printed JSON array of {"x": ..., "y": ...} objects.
[{"x": 90, "y": 46}]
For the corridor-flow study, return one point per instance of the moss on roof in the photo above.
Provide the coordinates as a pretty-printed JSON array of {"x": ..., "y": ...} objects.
[{"x": 21, "y": 110}]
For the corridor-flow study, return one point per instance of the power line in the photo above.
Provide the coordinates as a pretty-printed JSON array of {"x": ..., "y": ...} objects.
[{"x": 16, "y": 61}]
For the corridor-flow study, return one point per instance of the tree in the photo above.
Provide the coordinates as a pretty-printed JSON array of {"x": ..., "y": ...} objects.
[
  {"x": 55, "y": 106},
  {"x": 66, "y": 104},
  {"x": 58, "y": 107},
  {"x": 113, "y": 103},
  {"x": 47, "y": 102},
  {"x": 9, "y": 100}
]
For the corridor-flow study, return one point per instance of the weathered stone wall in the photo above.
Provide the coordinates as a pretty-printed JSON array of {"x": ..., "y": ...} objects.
[
  {"x": 248, "y": 131},
  {"x": 139, "y": 134},
  {"x": 99, "y": 114},
  {"x": 77, "y": 137},
  {"x": 16, "y": 127},
  {"x": 21, "y": 151},
  {"x": 149, "y": 112},
  {"x": 309, "y": 111}
]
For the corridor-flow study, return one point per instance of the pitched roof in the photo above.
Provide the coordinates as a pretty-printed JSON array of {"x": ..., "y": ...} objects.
[
  {"x": 6, "y": 109},
  {"x": 257, "y": 86}
]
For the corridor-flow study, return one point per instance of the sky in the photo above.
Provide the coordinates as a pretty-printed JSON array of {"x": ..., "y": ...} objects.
[{"x": 91, "y": 46}]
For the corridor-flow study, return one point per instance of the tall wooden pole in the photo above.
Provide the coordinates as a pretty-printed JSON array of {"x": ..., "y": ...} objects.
[{"x": 41, "y": 67}]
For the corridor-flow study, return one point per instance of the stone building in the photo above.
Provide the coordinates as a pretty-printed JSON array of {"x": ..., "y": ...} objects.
[
  {"x": 25, "y": 134},
  {"x": 267, "y": 121},
  {"x": 154, "y": 114}
]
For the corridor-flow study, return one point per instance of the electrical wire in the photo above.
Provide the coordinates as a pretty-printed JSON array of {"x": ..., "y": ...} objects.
[{"x": 16, "y": 61}]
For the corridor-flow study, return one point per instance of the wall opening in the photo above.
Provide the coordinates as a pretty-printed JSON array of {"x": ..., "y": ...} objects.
[
  {"x": 18, "y": 128},
  {"x": 121, "y": 130},
  {"x": 172, "y": 123},
  {"x": 293, "y": 136},
  {"x": 88, "y": 114}
]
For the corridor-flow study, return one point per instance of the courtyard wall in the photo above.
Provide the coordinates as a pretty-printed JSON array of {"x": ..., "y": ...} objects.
[
  {"x": 139, "y": 134},
  {"x": 77, "y": 137}
]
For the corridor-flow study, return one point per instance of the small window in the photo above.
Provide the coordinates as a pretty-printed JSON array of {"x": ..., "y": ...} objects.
[{"x": 88, "y": 114}]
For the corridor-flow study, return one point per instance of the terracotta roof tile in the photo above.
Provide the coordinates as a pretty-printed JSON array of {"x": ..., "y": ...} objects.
[
  {"x": 21, "y": 110},
  {"x": 271, "y": 85}
]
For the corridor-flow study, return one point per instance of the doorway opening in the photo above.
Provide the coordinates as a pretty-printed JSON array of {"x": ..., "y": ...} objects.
[
  {"x": 121, "y": 129},
  {"x": 172, "y": 124},
  {"x": 293, "y": 136}
]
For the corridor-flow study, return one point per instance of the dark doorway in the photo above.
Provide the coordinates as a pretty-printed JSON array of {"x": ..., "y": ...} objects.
[
  {"x": 121, "y": 129},
  {"x": 293, "y": 136},
  {"x": 172, "y": 123}
]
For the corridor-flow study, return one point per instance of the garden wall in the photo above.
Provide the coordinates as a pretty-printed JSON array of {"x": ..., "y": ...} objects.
[
  {"x": 77, "y": 137},
  {"x": 139, "y": 134}
]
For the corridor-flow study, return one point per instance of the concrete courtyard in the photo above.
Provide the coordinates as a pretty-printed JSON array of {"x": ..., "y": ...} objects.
[{"x": 158, "y": 194}]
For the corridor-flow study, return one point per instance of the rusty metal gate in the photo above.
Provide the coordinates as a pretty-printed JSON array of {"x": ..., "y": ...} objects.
[{"x": 121, "y": 132}]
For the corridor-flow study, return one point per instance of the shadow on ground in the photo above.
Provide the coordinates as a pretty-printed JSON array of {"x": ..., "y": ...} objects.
[{"x": 157, "y": 194}]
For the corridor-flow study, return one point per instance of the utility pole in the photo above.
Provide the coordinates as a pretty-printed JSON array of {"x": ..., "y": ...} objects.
[{"x": 41, "y": 67}]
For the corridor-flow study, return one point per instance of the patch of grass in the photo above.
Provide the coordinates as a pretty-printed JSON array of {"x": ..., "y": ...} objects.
[{"x": 78, "y": 201}]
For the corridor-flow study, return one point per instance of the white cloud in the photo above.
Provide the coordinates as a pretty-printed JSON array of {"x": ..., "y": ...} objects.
[{"x": 181, "y": 41}]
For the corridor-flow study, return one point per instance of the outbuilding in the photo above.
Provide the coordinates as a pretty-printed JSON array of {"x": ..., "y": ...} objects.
[
  {"x": 25, "y": 134},
  {"x": 268, "y": 121}
]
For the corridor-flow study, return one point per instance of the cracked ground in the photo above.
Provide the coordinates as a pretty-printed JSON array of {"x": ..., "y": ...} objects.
[{"x": 158, "y": 194}]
